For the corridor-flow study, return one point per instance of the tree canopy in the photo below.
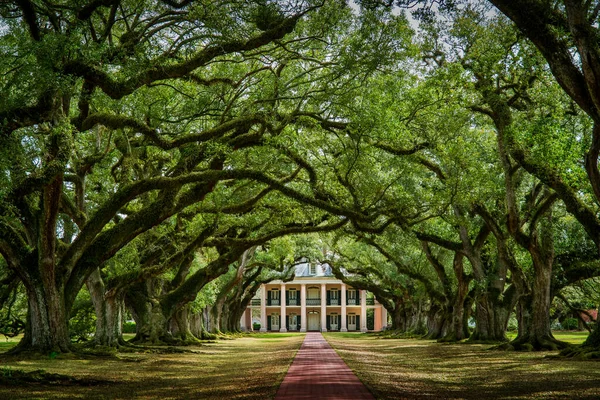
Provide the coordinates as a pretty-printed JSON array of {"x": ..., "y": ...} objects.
[{"x": 161, "y": 157}]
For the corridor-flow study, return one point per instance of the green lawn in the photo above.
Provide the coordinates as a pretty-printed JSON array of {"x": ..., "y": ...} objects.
[
  {"x": 250, "y": 367},
  {"x": 574, "y": 337},
  {"x": 419, "y": 369}
]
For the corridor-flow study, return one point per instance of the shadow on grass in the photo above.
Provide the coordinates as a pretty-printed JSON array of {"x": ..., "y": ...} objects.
[
  {"x": 232, "y": 369},
  {"x": 415, "y": 369}
]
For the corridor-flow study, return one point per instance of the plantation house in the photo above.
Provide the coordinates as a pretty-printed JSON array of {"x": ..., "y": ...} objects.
[{"x": 314, "y": 301}]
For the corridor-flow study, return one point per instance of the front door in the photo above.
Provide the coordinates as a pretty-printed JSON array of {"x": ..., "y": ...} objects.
[
  {"x": 293, "y": 318},
  {"x": 351, "y": 322},
  {"x": 314, "y": 323},
  {"x": 274, "y": 322},
  {"x": 334, "y": 322}
]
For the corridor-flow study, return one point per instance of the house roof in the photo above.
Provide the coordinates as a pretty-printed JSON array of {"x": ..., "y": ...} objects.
[{"x": 303, "y": 269}]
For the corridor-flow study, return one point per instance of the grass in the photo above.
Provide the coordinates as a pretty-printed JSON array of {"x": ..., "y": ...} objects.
[
  {"x": 250, "y": 367},
  {"x": 416, "y": 369},
  {"x": 573, "y": 337}
]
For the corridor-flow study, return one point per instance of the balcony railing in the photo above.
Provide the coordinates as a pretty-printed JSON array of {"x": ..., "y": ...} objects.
[
  {"x": 293, "y": 302},
  {"x": 313, "y": 301}
]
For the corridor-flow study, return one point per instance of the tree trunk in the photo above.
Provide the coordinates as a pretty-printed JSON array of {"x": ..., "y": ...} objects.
[
  {"x": 236, "y": 310},
  {"x": 181, "y": 327},
  {"x": 47, "y": 327},
  {"x": 593, "y": 339},
  {"x": 458, "y": 328},
  {"x": 151, "y": 325},
  {"x": 534, "y": 318},
  {"x": 491, "y": 320},
  {"x": 214, "y": 319},
  {"x": 398, "y": 316},
  {"x": 437, "y": 323},
  {"x": 109, "y": 312},
  {"x": 417, "y": 321}
]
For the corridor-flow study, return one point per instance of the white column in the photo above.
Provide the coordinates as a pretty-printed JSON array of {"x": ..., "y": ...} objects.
[
  {"x": 303, "y": 316},
  {"x": 344, "y": 328},
  {"x": 263, "y": 308},
  {"x": 323, "y": 308},
  {"x": 363, "y": 310},
  {"x": 383, "y": 317},
  {"x": 282, "y": 327}
]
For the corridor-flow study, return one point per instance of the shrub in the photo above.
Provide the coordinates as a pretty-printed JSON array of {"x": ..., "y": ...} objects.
[
  {"x": 256, "y": 326},
  {"x": 129, "y": 327},
  {"x": 82, "y": 323},
  {"x": 513, "y": 324},
  {"x": 569, "y": 324}
]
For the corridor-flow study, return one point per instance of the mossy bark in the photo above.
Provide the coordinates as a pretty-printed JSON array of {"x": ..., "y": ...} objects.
[
  {"x": 438, "y": 321},
  {"x": 109, "y": 312},
  {"x": 46, "y": 330},
  {"x": 491, "y": 320}
]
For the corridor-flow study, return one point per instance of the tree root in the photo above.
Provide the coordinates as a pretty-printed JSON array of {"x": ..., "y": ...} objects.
[
  {"x": 532, "y": 343},
  {"x": 18, "y": 377},
  {"x": 483, "y": 339},
  {"x": 582, "y": 352}
]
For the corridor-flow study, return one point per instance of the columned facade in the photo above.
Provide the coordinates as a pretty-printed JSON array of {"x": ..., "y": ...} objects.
[{"x": 314, "y": 303}]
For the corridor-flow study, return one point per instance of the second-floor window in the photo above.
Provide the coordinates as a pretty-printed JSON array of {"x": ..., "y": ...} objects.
[
  {"x": 293, "y": 297},
  {"x": 352, "y": 297},
  {"x": 313, "y": 269},
  {"x": 334, "y": 297},
  {"x": 274, "y": 297}
]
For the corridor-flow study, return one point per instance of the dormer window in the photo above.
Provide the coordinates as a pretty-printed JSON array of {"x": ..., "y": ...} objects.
[{"x": 313, "y": 269}]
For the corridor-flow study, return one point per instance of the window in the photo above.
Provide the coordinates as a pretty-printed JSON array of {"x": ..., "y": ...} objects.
[
  {"x": 352, "y": 297},
  {"x": 275, "y": 297},
  {"x": 313, "y": 269},
  {"x": 292, "y": 297},
  {"x": 351, "y": 319},
  {"x": 334, "y": 297},
  {"x": 334, "y": 319}
]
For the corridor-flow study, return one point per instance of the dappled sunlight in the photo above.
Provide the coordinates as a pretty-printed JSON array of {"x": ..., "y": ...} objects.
[
  {"x": 413, "y": 368},
  {"x": 246, "y": 368}
]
